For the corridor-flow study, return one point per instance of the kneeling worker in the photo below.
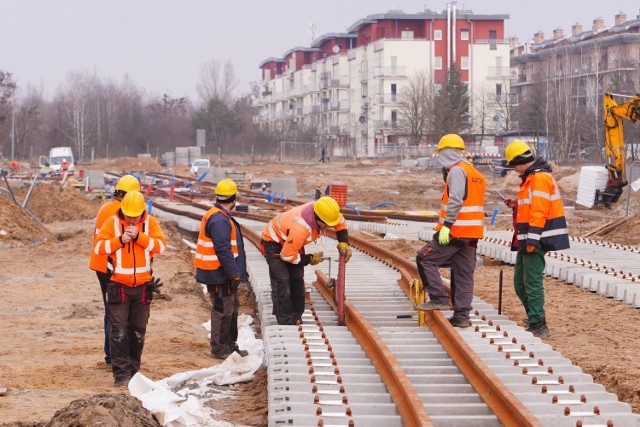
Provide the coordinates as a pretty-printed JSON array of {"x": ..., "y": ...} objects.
[
  {"x": 283, "y": 241},
  {"x": 221, "y": 264}
]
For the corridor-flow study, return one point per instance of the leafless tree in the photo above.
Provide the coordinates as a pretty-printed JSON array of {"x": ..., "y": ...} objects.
[
  {"x": 217, "y": 82},
  {"x": 415, "y": 107}
]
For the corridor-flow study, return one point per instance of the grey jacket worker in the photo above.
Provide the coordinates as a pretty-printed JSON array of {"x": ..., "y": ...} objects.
[
  {"x": 461, "y": 253},
  {"x": 224, "y": 298}
]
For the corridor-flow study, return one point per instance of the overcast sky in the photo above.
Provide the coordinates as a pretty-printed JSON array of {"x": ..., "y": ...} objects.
[{"x": 161, "y": 44}]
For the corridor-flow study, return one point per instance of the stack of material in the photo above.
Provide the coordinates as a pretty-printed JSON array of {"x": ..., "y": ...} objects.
[{"x": 592, "y": 178}]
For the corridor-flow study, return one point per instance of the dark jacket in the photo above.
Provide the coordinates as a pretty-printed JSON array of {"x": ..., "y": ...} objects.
[{"x": 219, "y": 229}]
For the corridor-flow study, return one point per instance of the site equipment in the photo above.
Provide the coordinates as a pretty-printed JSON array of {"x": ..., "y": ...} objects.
[{"x": 614, "y": 144}]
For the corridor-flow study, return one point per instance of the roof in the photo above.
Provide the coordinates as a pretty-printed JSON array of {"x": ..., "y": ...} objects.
[
  {"x": 270, "y": 59},
  {"x": 329, "y": 36},
  {"x": 425, "y": 15}
]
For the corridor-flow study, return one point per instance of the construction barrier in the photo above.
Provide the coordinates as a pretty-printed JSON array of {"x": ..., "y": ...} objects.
[{"x": 339, "y": 193}]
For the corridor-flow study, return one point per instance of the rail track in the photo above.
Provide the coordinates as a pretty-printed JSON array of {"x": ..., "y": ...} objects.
[{"x": 390, "y": 365}]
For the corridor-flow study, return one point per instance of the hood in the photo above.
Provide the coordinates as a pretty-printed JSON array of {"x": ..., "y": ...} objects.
[
  {"x": 449, "y": 157},
  {"x": 539, "y": 165}
]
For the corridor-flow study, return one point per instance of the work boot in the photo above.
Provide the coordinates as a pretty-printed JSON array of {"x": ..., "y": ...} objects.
[
  {"x": 539, "y": 329},
  {"x": 242, "y": 353},
  {"x": 219, "y": 356},
  {"x": 109, "y": 367},
  {"x": 459, "y": 323},
  {"x": 122, "y": 382},
  {"x": 433, "y": 305}
]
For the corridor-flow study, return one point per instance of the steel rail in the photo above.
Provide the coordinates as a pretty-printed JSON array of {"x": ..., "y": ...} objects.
[
  {"x": 404, "y": 395},
  {"x": 505, "y": 405}
]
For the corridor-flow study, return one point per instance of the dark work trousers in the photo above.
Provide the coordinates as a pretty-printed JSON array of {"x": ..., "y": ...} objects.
[
  {"x": 463, "y": 264},
  {"x": 128, "y": 309},
  {"x": 103, "y": 278},
  {"x": 528, "y": 276},
  {"x": 224, "y": 318},
  {"x": 287, "y": 286}
]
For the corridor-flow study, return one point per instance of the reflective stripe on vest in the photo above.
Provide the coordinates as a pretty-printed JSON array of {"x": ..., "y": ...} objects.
[
  {"x": 118, "y": 267},
  {"x": 470, "y": 221},
  {"x": 206, "y": 257},
  {"x": 540, "y": 214}
]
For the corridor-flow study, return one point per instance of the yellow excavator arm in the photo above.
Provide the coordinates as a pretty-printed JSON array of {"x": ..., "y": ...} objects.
[{"x": 614, "y": 114}]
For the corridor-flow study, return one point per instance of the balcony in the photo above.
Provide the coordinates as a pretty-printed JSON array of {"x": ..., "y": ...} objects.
[
  {"x": 387, "y": 98},
  {"x": 386, "y": 124},
  {"x": 389, "y": 72},
  {"x": 334, "y": 105},
  {"x": 499, "y": 72}
]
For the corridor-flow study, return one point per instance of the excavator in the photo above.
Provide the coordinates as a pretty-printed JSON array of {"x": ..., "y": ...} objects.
[{"x": 614, "y": 113}]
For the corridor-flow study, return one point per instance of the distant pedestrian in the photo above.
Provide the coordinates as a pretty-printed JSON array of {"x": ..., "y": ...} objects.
[
  {"x": 131, "y": 239},
  {"x": 459, "y": 228},
  {"x": 318, "y": 192},
  {"x": 541, "y": 226},
  {"x": 324, "y": 156},
  {"x": 221, "y": 264},
  {"x": 100, "y": 263}
]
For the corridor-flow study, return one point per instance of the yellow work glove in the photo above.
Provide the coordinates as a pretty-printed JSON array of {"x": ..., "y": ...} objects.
[
  {"x": 344, "y": 248},
  {"x": 443, "y": 236},
  {"x": 316, "y": 258}
]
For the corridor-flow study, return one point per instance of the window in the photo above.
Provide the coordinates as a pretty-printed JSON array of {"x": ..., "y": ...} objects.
[
  {"x": 493, "y": 42},
  {"x": 464, "y": 62},
  {"x": 498, "y": 89},
  {"x": 437, "y": 62},
  {"x": 464, "y": 34},
  {"x": 406, "y": 35},
  {"x": 437, "y": 35},
  {"x": 394, "y": 92}
]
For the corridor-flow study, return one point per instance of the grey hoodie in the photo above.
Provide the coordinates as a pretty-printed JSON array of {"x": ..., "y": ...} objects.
[{"x": 456, "y": 181}]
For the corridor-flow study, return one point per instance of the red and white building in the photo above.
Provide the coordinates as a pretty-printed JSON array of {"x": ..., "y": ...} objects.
[{"x": 347, "y": 85}]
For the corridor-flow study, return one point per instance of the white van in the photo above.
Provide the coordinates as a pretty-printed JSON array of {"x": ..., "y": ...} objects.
[
  {"x": 198, "y": 165},
  {"x": 59, "y": 156}
]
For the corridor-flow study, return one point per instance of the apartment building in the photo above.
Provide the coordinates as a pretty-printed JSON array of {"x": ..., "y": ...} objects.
[
  {"x": 346, "y": 87},
  {"x": 592, "y": 60}
]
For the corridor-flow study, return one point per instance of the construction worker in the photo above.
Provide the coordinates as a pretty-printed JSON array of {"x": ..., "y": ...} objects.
[
  {"x": 98, "y": 263},
  {"x": 131, "y": 239},
  {"x": 459, "y": 228},
  {"x": 540, "y": 227},
  {"x": 283, "y": 241},
  {"x": 221, "y": 264}
]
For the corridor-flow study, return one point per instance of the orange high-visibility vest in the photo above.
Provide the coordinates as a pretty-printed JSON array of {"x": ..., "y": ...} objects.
[
  {"x": 470, "y": 221},
  {"x": 206, "y": 257},
  {"x": 293, "y": 233},
  {"x": 540, "y": 214},
  {"x": 107, "y": 210},
  {"x": 131, "y": 262}
]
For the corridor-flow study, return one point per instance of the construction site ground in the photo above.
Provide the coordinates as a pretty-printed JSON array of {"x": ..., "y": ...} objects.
[{"x": 51, "y": 309}]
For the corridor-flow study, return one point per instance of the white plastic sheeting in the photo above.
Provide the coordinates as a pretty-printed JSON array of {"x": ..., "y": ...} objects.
[{"x": 177, "y": 401}]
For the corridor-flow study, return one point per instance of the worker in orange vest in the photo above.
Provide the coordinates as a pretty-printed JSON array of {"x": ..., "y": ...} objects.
[
  {"x": 221, "y": 265},
  {"x": 283, "y": 242},
  {"x": 460, "y": 226},
  {"x": 99, "y": 263},
  {"x": 131, "y": 239},
  {"x": 540, "y": 227}
]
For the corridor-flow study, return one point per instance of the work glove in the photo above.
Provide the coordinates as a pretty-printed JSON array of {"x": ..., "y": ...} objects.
[
  {"x": 235, "y": 282},
  {"x": 443, "y": 236},
  {"x": 531, "y": 249},
  {"x": 345, "y": 249},
  {"x": 154, "y": 285},
  {"x": 316, "y": 258}
]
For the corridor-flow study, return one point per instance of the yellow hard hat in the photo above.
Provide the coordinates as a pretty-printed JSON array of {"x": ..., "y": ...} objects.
[
  {"x": 450, "y": 140},
  {"x": 128, "y": 183},
  {"x": 327, "y": 210},
  {"x": 226, "y": 188},
  {"x": 132, "y": 204},
  {"x": 515, "y": 149}
]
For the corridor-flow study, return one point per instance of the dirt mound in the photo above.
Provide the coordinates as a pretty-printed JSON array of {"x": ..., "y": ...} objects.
[
  {"x": 17, "y": 228},
  {"x": 102, "y": 409},
  {"x": 52, "y": 202},
  {"x": 123, "y": 165}
]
